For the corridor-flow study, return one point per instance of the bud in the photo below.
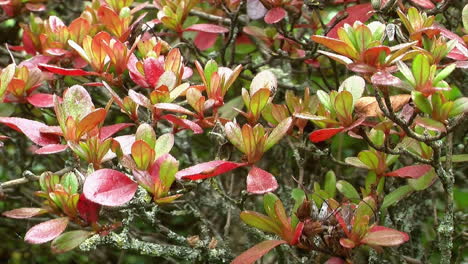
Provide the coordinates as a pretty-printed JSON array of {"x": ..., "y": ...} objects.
[
  {"x": 303, "y": 212},
  {"x": 312, "y": 228}
]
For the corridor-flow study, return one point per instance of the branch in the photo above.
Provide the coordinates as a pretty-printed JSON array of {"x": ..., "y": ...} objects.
[{"x": 28, "y": 176}]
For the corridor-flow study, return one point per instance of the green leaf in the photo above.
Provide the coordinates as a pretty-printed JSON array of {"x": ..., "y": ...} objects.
[
  {"x": 377, "y": 137},
  {"x": 457, "y": 158},
  {"x": 344, "y": 106},
  {"x": 330, "y": 183},
  {"x": 70, "y": 182},
  {"x": 405, "y": 70},
  {"x": 210, "y": 68},
  {"x": 260, "y": 221},
  {"x": 167, "y": 171},
  {"x": 371, "y": 179},
  {"x": 421, "y": 102},
  {"x": 346, "y": 189},
  {"x": 465, "y": 17},
  {"x": 396, "y": 195},
  {"x": 69, "y": 240},
  {"x": 424, "y": 181},
  {"x": 421, "y": 69},
  {"x": 369, "y": 158},
  {"x": 164, "y": 144},
  {"x": 269, "y": 201},
  {"x": 354, "y": 161},
  {"x": 234, "y": 134},
  {"x": 444, "y": 73},
  {"x": 258, "y": 101},
  {"x": 299, "y": 196},
  {"x": 459, "y": 106},
  {"x": 5, "y": 78},
  {"x": 278, "y": 133},
  {"x": 146, "y": 133},
  {"x": 430, "y": 124},
  {"x": 324, "y": 99}
]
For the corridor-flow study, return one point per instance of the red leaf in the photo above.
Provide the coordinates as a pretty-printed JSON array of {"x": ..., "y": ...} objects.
[
  {"x": 204, "y": 40},
  {"x": 208, "y": 169},
  {"x": 256, "y": 252},
  {"x": 383, "y": 236},
  {"x": 275, "y": 15},
  {"x": 153, "y": 68},
  {"x": 51, "y": 149},
  {"x": 87, "y": 209},
  {"x": 360, "y": 12},
  {"x": 31, "y": 129},
  {"x": 208, "y": 28},
  {"x": 260, "y": 181},
  {"x": 108, "y": 131},
  {"x": 54, "y": 130},
  {"x": 297, "y": 233},
  {"x": 46, "y": 231},
  {"x": 414, "y": 171},
  {"x": 63, "y": 71},
  {"x": 109, "y": 187},
  {"x": 41, "y": 100},
  {"x": 22, "y": 213},
  {"x": 185, "y": 123},
  {"x": 324, "y": 134}
]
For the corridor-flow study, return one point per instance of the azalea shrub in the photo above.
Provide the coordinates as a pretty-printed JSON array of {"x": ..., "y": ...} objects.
[{"x": 233, "y": 131}]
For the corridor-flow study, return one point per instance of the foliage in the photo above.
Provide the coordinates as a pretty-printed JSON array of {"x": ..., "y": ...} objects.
[{"x": 117, "y": 116}]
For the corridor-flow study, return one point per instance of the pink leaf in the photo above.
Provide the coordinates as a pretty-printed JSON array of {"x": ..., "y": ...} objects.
[
  {"x": 427, "y": 4},
  {"x": 204, "y": 40},
  {"x": 22, "y": 213},
  {"x": 46, "y": 231},
  {"x": 275, "y": 15},
  {"x": 260, "y": 181},
  {"x": 51, "y": 149},
  {"x": 109, "y": 187},
  {"x": 31, "y": 129},
  {"x": 185, "y": 123},
  {"x": 255, "y": 9},
  {"x": 414, "y": 171},
  {"x": 41, "y": 100},
  {"x": 208, "y": 28},
  {"x": 88, "y": 210},
  {"x": 63, "y": 71},
  {"x": 108, "y": 131},
  {"x": 383, "y": 236},
  {"x": 360, "y": 12},
  {"x": 256, "y": 252},
  {"x": 347, "y": 243},
  {"x": 324, "y": 134},
  {"x": 208, "y": 169},
  {"x": 335, "y": 260}
]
